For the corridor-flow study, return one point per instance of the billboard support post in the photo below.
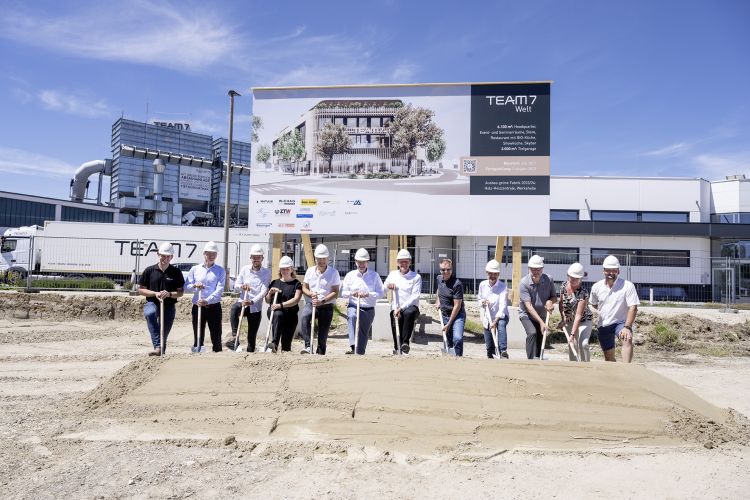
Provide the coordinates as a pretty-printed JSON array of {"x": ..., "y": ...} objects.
[
  {"x": 517, "y": 241},
  {"x": 275, "y": 254},
  {"x": 307, "y": 247}
]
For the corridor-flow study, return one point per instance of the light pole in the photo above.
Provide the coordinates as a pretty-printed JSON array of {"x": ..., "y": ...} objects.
[{"x": 232, "y": 93}]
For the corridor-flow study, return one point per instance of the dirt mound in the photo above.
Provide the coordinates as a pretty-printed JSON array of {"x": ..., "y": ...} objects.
[
  {"x": 125, "y": 380},
  {"x": 693, "y": 427},
  {"x": 397, "y": 405},
  {"x": 58, "y": 307},
  {"x": 687, "y": 332}
]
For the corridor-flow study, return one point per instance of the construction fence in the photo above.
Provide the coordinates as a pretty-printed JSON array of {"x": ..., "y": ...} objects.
[{"x": 97, "y": 263}]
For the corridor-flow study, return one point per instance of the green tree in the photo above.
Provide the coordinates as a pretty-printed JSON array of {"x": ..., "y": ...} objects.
[
  {"x": 332, "y": 140},
  {"x": 436, "y": 149},
  {"x": 291, "y": 148},
  {"x": 412, "y": 127},
  {"x": 263, "y": 154},
  {"x": 257, "y": 126}
]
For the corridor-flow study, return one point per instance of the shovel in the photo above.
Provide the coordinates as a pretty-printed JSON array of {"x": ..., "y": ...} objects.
[
  {"x": 544, "y": 337},
  {"x": 312, "y": 334},
  {"x": 161, "y": 326},
  {"x": 239, "y": 327},
  {"x": 494, "y": 334},
  {"x": 395, "y": 320},
  {"x": 270, "y": 322},
  {"x": 571, "y": 343},
  {"x": 451, "y": 351},
  {"x": 197, "y": 347},
  {"x": 356, "y": 328}
]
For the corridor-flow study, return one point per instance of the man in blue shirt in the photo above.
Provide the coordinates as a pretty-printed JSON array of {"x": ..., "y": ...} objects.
[{"x": 207, "y": 279}]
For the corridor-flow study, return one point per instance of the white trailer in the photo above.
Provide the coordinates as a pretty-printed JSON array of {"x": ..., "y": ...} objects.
[{"x": 115, "y": 250}]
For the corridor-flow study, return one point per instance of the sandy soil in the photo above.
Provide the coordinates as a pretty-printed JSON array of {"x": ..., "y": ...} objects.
[{"x": 86, "y": 414}]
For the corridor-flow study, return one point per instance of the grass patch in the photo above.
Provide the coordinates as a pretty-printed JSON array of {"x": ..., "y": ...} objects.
[
  {"x": 473, "y": 326},
  {"x": 664, "y": 335},
  {"x": 74, "y": 283},
  {"x": 718, "y": 351}
]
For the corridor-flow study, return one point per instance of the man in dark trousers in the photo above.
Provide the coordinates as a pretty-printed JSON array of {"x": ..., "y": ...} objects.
[
  {"x": 208, "y": 280},
  {"x": 161, "y": 281},
  {"x": 450, "y": 294}
]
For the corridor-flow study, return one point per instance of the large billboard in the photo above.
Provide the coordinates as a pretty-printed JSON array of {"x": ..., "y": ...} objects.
[{"x": 430, "y": 159}]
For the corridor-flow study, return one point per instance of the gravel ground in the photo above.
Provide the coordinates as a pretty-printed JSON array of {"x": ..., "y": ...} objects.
[{"x": 48, "y": 366}]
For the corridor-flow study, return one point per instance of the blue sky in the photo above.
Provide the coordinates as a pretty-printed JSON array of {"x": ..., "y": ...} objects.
[{"x": 640, "y": 87}]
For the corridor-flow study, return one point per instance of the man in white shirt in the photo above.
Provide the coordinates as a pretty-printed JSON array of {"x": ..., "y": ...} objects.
[
  {"x": 252, "y": 284},
  {"x": 406, "y": 286},
  {"x": 616, "y": 299},
  {"x": 208, "y": 279},
  {"x": 364, "y": 286},
  {"x": 320, "y": 286},
  {"x": 493, "y": 295}
]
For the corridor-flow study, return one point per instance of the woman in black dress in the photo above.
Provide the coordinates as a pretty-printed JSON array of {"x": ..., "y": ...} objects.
[{"x": 284, "y": 309}]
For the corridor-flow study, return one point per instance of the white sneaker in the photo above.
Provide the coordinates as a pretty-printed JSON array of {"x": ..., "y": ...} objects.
[{"x": 306, "y": 350}]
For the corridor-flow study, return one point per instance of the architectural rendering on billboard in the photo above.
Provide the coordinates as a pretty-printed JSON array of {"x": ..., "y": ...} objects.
[{"x": 434, "y": 159}]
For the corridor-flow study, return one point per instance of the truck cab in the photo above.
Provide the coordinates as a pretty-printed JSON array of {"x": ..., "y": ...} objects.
[{"x": 16, "y": 246}]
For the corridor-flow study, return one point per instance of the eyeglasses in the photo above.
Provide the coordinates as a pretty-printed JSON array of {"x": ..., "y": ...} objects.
[{"x": 442, "y": 270}]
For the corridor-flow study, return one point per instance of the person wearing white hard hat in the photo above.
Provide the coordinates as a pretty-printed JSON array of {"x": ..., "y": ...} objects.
[
  {"x": 320, "y": 286},
  {"x": 206, "y": 280},
  {"x": 450, "y": 293},
  {"x": 162, "y": 284},
  {"x": 252, "y": 284},
  {"x": 365, "y": 287},
  {"x": 283, "y": 311},
  {"x": 576, "y": 316},
  {"x": 492, "y": 297},
  {"x": 406, "y": 286},
  {"x": 617, "y": 301},
  {"x": 537, "y": 299}
]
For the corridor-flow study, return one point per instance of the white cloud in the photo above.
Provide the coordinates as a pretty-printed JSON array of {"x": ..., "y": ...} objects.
[
  {"x": 18, "y": 161},
  {"x": 161, "y": 34},
  {"x": 191, "y": 38},
  {"x": 72, "y": 104},
  {"x": 717, "y": 166},
  {"x": 669, "y": 151}
]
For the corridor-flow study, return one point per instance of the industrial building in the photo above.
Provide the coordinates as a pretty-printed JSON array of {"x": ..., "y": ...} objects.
[
  {"x": 677, "y": 238},
  {"x": 187, "y": 185}
]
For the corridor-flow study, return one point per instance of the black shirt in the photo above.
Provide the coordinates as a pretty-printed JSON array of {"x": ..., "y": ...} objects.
[
  {"x": 448, "y": 291},
  {"x": 157, "y": 280},
  {"x": 288, "y": 291}
]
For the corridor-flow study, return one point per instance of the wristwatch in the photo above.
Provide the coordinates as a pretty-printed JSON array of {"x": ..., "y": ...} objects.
[{"x": 629, "y": 327}]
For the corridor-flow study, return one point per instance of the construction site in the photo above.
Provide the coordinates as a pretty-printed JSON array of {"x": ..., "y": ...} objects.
[{"x": 87, "y": 414}]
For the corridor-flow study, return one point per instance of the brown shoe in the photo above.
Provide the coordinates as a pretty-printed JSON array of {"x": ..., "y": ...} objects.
[{"x": 155, "y": 352}]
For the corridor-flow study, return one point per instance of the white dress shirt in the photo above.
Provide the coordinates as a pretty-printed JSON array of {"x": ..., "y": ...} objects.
[
  {"x": 368, "y": 282},
  {"x": 497, "y": 296},
  {"x": 258, "y": 282},
  {"x": 321, "y": 284},
  {"x": 408, "y": 289}
]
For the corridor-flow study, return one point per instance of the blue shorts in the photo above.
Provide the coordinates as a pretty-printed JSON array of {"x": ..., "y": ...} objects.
[{"x": 607, "y": 335}]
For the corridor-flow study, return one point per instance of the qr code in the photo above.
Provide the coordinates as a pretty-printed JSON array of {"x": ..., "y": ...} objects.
[{"x": 470, "y": 166}]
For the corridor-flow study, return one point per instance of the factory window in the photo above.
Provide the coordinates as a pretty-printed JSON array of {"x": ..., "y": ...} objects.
[
  {"x": 17, "y": 213},
  {"x": 643, "y": 257},
  {"x": 563, "y": 214},
  {"x": 625, "y": 216},
  {"x": 551, "y": 255},
  {"x": 75, "y": 214}
]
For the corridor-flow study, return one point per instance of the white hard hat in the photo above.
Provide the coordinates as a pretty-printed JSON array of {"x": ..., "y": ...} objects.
[
  {"x": 575, "y": 270},
  {"x": 611, "y": 262},
  {"x": 256, "y": 250},
  {"x": 536, "y": 262},
  {"x": 492, "y": 266},
  {"x": 362, "y": 255},
  {"x": 403, "y": 254},
  {"x": 286, "y": 262},
  {"x": 321, "y": 252},
  {"x": 211, "y": 246},
  {"x": 166, "y": 248}
]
